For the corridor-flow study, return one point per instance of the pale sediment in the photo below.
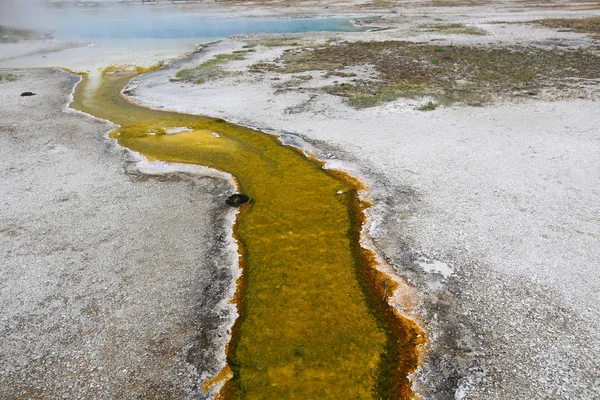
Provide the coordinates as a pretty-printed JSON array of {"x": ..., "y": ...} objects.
[
  {"x": 207, "y": 353},
  {"x": 113, "y": 283}
]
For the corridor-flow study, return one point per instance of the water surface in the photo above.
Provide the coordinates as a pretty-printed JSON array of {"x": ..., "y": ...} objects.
[
  {"x": 141, "y": 36},
  {"x": 171, "y": 26}
]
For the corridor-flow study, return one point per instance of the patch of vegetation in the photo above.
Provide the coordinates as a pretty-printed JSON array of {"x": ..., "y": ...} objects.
[
  {"x": 363, "y": 94},
  {"x": 454, "y": 3},
  {"x": 211, "y": 69},
  {"x": 301, "y": 107},
  {"x": 429, "y": 106},
  {"x": 447, "y": 74},
  {"x": 378, "y": 4},
  {"x": 8, "y": 77},
  {"x": 297, "y": 61},
  {"x": 275, "y": 42},
  {"x": 292, "y": 84},
  {"x": 341, "y": 74},
  {"x": 589, "y": 25},
  {"x": 303, "y": 77},
  {"x": 236, "y": 55},
  {"x": 279, "y": 42},
  {"x": 262, "y": 67},
  {"x": 453, "y": 29}
]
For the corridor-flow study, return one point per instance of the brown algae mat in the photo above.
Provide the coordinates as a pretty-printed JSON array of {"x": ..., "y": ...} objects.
[
  {"x": 590, "y": 25},
  {"x": 314, "y": 322}
]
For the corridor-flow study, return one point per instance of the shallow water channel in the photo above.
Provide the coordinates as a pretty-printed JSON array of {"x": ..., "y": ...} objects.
[{"x": 313, "y": 321}]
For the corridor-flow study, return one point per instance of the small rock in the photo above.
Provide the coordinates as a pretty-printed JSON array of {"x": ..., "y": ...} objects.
[
  {"x": 236, "y": 200},
  {"x": 27, "y": 94}
]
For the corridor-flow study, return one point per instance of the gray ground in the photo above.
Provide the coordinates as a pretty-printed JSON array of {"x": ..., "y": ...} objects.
[
  {"x": 110, "y": 282},
  {"x": 503, "y": 200},
  {"x": 510, "y": 203}
]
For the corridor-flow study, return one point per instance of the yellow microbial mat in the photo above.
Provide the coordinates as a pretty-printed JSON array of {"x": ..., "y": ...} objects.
[{"x": 314, "y": 323}]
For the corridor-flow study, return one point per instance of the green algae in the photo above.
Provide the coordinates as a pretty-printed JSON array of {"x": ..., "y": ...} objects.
[{"x": 313, "y": 322}]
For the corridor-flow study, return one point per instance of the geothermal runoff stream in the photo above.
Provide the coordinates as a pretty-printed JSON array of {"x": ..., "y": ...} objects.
[{"x": 314, "y": 320}]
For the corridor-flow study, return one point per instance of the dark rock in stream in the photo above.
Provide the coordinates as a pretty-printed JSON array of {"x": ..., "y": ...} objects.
[
  {"x": 27, "y": 94},
  {"x": 236, "y": 200}
]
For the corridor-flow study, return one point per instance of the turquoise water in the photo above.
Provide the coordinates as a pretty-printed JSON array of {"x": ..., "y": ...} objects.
[{"x": 174, "y": 26}]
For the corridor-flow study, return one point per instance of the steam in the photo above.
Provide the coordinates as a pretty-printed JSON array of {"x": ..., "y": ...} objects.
[
  {"x": 111, "y": 20},
  {"x": 29, "y": 14},
  {"x": 69, "y": 20},
  {"x": 86, "y": 38}
]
